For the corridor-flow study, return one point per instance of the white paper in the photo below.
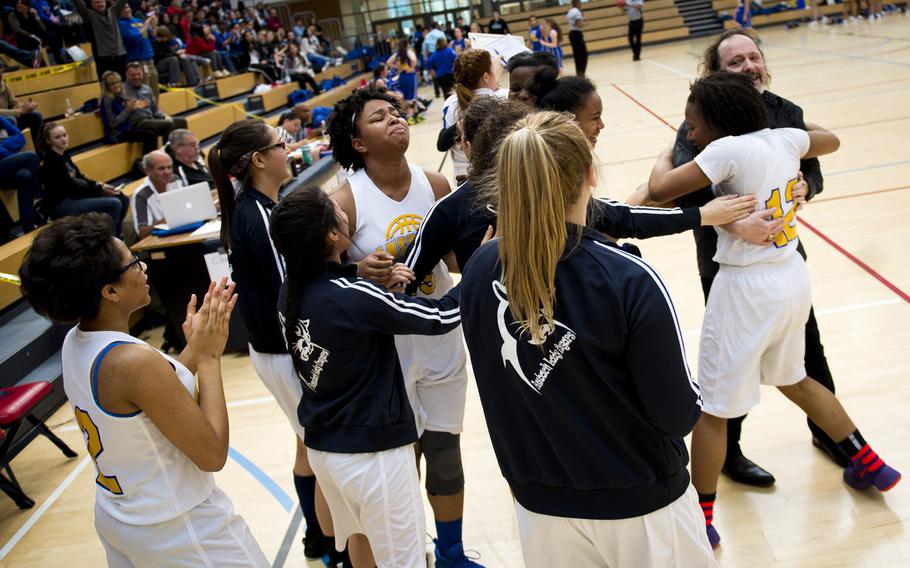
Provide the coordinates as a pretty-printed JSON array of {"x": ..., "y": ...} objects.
[
  {"x": 502, "y": 47},
  {"x": 208, "y": 228},
  {"x": 217, "y": 265}
]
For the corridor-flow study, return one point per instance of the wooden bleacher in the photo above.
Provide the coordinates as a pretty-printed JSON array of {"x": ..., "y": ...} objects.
[
  {"x": 607, "y": 25},
  {"x": 11, "y": 256}
]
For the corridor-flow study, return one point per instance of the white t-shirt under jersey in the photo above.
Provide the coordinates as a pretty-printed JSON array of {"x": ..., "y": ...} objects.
[
  {"x": 142, "y": 478},
  {"x": 764, "y": 163}
]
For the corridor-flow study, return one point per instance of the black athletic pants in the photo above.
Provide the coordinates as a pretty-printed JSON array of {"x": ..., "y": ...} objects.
[
  {"x": 816, "y": 368},
  {"x": 635, "y": 28},
  {"x": 113, "y": 63},
  {"x": 446, "y": 83},
  {"x": 579, "y": 51}
]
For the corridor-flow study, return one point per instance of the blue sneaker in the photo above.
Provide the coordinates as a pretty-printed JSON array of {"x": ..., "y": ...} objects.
[{"x": 453, "y": 557}]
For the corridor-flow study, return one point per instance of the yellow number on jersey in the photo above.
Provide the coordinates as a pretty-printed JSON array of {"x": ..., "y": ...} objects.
[
  {"x": 93, "y": 441},
  {"x": 788, "y": 233}
]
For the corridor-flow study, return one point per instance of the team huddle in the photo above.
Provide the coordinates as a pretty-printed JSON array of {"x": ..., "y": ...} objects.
[{"x": 357, "y": 328}]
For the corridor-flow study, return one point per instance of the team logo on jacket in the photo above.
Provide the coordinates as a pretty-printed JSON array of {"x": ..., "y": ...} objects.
[
  {"x": 400, "y": 234},
  {"x": 534, "y": 363},
  {"x": 310, "y": 358}
]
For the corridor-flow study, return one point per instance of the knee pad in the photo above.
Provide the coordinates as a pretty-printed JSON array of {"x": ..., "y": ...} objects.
[{"x": 442, "y": 450}]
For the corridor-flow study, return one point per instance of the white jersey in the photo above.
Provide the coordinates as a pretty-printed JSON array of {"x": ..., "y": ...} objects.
[
  {"x": 389, "y": 225},
  {"x": 764, "y": 163},
  {"x": 450, "y": 115},
  {"x": 143, "y": 478}
]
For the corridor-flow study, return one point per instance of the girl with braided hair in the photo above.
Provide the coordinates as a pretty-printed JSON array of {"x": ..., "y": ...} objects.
[
  {"x": 476, "y": 74},
  {"x": 252, "y": 153}
]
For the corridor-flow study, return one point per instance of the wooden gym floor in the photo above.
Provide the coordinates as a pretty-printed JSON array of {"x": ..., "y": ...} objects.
[{"x": 854, "y": 80}]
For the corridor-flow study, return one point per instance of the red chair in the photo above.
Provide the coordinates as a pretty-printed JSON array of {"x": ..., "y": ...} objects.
[{"x": 19, "y": 427}]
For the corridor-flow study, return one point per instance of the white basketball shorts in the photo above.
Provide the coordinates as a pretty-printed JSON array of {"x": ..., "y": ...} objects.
[
  {"x": 672, "y": 536},
  {"x": 277, "y": 374},
  {"x": 754, "y": 334},
  {"x": 378, "y": 495},
  {"x": 436, "y": 379},
  {"x": 209, "y": 535}
]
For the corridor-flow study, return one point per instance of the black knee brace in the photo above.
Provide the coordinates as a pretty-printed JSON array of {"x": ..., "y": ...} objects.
[{"x": 442, "y": 450}]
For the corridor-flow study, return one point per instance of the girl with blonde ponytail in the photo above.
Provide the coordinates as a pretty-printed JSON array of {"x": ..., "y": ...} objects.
[
  {"x": 562, "y": 326},
  {"x": 476, "y": 75}
]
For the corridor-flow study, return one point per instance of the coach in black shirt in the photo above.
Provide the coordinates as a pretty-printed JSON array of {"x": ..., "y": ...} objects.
[
  {"x": 497, "y": 25},
  {"x": 735, "y": 51}
]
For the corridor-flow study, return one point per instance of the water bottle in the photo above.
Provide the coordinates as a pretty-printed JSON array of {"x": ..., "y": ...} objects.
[{"x": 69, "y": 109}]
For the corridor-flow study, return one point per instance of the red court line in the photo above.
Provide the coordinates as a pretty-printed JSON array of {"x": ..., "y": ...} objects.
[
  {"x": 903, "y": 295},
  {"x": 863, "y": 194},
  {"x": 649, "y": 111}
]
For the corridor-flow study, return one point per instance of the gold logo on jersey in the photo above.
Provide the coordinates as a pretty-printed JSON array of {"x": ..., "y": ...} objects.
[{"x": 400, "y": 234}]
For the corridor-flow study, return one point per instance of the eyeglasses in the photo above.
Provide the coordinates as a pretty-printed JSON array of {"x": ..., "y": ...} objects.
[
  {"x": 281, "y": 144},
  {"x": 112, "y": 83},
  {"x": 135, "y": 261}
]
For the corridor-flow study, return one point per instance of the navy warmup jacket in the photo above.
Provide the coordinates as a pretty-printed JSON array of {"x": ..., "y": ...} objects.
[
  {"x": 354, "y": 400},
  {"x": 590, "y": 424}
]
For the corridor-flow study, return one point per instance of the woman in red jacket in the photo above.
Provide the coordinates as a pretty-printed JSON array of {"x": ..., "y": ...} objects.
[{"x": 202, "y": 43}]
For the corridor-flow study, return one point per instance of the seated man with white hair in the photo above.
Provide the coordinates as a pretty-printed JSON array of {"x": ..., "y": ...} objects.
[
  {"x": 183, "y": 148},
  {"x": 147, "y": 211}
]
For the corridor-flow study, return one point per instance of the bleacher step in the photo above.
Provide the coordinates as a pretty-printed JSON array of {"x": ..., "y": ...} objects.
[{"x": 26, "y": 341}]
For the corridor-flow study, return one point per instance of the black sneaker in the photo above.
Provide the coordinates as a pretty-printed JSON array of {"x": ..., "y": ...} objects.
[{"x": 313, "y": 543}]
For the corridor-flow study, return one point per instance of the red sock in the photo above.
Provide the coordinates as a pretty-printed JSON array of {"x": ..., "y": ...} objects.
[
  {"x": 868, "y": 458},
  {"x": 706, "y": 500}
]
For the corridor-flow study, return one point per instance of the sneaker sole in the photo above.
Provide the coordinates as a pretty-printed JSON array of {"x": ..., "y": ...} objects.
[{"x": 891, "y": 486}]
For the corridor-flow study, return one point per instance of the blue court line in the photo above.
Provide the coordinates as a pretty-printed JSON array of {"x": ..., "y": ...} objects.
[
  {"x": 262, "y": 477},
  {"x": 865, "y": 168}
]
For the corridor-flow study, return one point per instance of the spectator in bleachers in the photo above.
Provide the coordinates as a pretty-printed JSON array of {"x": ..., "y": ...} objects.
[
  {"x": 185, "y": 22},
  {"x": 201, "y": 43},
  {"x": 20, "y": 168},
  {"x": 32, "y": 33},
  {"x": 116, "y": 112},
  {"x": 299, "y": 28},
  {"x": 298, "y": 69},
  {"x": 260, "y": 54},
  {"x": 66, "y": 191},
  {"x": 24, "y": 114},
  {"x": 227, "y": 43},
  {"x": 289, "y": 128},
  {"x": 183, "y": 148},
  {"x": 28, "y": 58},
  {"x": 169, "y": 59},
  {"x": 310, "y": 45},
  {"x": 302, "y": 111},
  {"x": 144, "y": 203},
  {"x": 145, "y": 113},
  {"x": 136, "y": 40},
  {"x": 104, "y": 32},
  {"x": 56, "y": 22},
  {"x": 273, "y": 22}
]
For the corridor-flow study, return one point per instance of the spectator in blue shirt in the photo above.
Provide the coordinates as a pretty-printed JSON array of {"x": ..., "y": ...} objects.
[
  {"x": 534, "y": 32},
  {"x": 138, "y": 44},
  {"x": 430, "y": 41},
  {"x": 441, "y": 64},
  {"x": 227, "y": 44},
  {"x": 19, "y": 170}
]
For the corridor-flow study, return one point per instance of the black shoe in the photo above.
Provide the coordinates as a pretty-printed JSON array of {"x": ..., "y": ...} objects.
[
  {"x": 743, "y": 470},
  {"x": 313, "y": 543},
  {"x": 833, "y": 452}
]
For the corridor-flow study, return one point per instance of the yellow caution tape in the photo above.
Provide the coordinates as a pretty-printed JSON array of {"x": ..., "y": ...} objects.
[
  {"x": 43, "y": 72},
  {"x": 211, "y": 101},
  {"x": 10, "y": 278}
]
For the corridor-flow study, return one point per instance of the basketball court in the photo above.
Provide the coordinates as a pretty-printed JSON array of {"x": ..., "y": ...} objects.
[{"x": 853, "y": 80}]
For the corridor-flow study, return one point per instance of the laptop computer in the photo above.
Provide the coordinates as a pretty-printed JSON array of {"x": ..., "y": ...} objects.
[{"x": 187, "y": 205}]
